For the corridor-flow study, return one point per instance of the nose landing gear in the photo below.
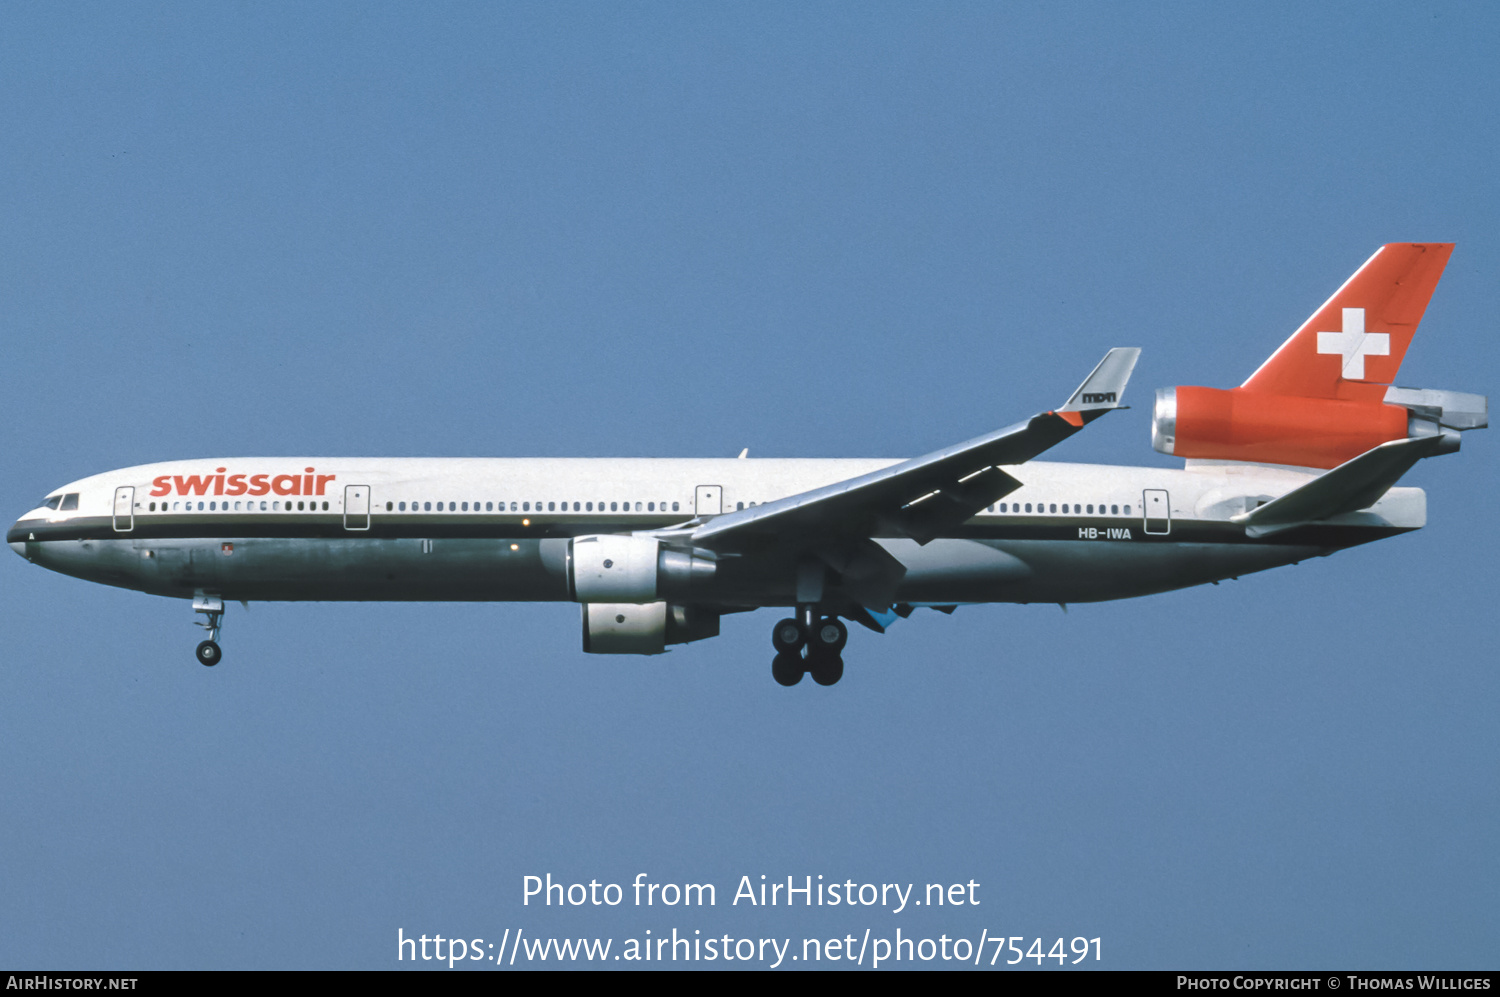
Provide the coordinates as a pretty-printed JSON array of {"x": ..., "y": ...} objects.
[
  {"x": 808, "y": 645},
  {"x": 209, "y": 652}
]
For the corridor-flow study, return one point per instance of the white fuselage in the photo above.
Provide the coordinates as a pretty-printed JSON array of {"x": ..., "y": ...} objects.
[{"x": 498, "y": 528}]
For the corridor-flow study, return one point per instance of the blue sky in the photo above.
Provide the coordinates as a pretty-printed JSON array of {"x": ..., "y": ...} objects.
[{"x": 681, "y": 230}]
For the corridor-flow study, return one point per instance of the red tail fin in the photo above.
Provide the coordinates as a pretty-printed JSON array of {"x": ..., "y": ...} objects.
[{"x": 1352, "y": 347}]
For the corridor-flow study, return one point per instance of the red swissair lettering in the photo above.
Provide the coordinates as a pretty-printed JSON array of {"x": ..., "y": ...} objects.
[{"x": 307, "y": 483}]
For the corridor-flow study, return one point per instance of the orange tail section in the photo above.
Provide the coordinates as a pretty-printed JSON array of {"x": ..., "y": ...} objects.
[
  {"x": 1353, "y": 346},
  {"x": 1320, "y": 399}
]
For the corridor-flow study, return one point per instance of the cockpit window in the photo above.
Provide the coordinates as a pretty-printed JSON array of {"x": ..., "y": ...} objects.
[
  {"x": 70, "y": 502},
  {"x": 51, "y": 501}
]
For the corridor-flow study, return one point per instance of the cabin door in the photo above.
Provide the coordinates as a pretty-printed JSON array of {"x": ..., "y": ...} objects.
[
  {"x": 356, "y": 507},
  {"x": 124, "y": 518},
  {"x": 708, "y": 500},
  {"x": 1158, "y": 511}
]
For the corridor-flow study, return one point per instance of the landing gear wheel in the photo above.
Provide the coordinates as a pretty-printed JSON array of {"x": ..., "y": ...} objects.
[
  {"x": 787, "y": 668},
  {"x": 787, "y": 636},
  {"x": 209, "y": 653},
  {"x": 826, "y": 668},
  {"x": 829, "y": 635}
]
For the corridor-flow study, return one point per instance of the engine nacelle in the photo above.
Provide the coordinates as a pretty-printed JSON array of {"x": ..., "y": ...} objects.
[
  {"x": 633, "y": 628},
  {"x": 1272, "y": 429},
  {"x": 625, "y": 569}
]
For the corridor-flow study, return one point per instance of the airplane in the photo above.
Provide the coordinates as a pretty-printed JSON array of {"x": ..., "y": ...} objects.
[{"x": 1300, "y": 461}]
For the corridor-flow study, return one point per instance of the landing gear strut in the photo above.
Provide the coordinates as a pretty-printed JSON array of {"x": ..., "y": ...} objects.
[
  {"x": 209, "y": 653},
  {"x": 808, "y": 644}
]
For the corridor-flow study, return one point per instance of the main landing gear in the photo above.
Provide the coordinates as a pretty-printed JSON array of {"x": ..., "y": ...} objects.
[
  {"x": 212, "y": 607},
  {"x": 808, "y": 645}
]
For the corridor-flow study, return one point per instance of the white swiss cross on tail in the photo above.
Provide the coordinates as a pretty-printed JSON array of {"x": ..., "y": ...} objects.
[{"x": 1354, "y": 344}]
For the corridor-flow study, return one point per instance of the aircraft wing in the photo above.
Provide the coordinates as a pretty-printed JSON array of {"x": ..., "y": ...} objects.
[{"x": 923, "y": 497}]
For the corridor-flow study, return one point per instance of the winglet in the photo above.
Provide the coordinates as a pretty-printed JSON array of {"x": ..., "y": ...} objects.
[{"x": 1103, "y": 389}]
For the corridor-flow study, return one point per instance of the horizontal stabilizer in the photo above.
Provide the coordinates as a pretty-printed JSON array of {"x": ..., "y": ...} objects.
[
  {"x": 1354, "y": 484},
  {"x": 1450, "y": 409}
]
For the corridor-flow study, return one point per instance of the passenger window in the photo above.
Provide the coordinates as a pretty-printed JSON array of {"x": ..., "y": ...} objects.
[
  {"x": 674, "y": 506},
  {"x": 1126, "y": 510},
  {"x": 489, "y": 507},
  {"x": 1028, "y": 506},
  {"x": 739, "y": 506},
  {"x": 589, "y": 506},
  {"x": 551, "y": 506},
  {"x": 575, "y": 506},
  {"x": 650, "y": 506},
  {"x": 1115, "y": 509},
  {"x": 466, "y": 507},
  {"x": 613, "y": 507}
]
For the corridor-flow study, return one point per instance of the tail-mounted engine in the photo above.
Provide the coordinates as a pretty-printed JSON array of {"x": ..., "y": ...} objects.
[
  {"x": 626, "y": 569},
  {"x": 1237, "y": 424}
]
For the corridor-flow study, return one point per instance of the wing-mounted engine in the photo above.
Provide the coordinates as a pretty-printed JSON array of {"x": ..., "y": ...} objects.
[
  {"x": 633, "y": 628},
  {"x": 621, "y": 580},
  {"x": 1238, "y": 424},
  {"x": 630, "y": 569}
]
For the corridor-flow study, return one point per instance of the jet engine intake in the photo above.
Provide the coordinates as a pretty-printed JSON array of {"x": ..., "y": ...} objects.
[
  {"x": 628, "y": 569},
  {"x": 634, "y": 628}
]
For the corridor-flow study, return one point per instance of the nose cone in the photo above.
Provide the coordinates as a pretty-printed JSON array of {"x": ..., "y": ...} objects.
[{"x": 17, "y": 536}]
